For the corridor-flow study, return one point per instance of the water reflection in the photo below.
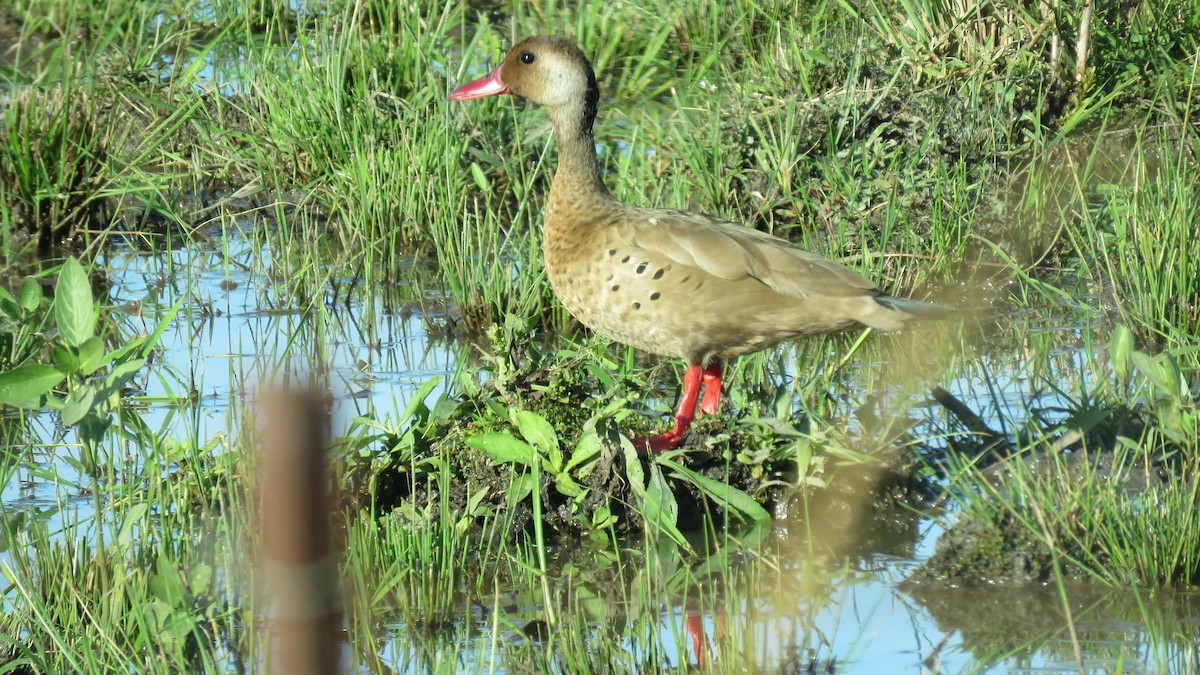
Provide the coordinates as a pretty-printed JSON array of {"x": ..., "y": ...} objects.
[{"x": 231, "y": 335}]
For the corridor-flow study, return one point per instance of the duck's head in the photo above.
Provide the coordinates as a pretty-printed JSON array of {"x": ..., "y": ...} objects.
[{"x": 544, "y": 69}]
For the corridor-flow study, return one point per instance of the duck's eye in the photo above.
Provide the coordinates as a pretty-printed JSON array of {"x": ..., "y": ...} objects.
[{"x": 527, "y": 58}]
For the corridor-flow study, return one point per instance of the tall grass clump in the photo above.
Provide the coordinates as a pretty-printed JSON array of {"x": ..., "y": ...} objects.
[
  {"x": 490, "y": 275},
  {"x": 53, "y": 162},
  {"x": 417, "y": 573},
  {"x": 1141, "y": 238},
  {"x": 1079, "y": 519},
  {"x": 88, "y": 134},
  {"x": 346, "y": 114},
  {"x": 152, "y": 606}
]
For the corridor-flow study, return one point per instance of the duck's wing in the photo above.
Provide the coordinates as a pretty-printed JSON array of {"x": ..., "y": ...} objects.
[{"x": 732, "y": 252}]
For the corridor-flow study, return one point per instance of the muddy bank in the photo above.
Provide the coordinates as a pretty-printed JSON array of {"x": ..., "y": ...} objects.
[{"x": 1026, "y": 528}]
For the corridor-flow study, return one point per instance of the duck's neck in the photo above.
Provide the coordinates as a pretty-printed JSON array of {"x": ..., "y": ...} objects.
[{"x": 578, "y": 176}]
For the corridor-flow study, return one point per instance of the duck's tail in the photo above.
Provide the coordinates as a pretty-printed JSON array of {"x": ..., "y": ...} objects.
[{"x": 918, "y": 309}]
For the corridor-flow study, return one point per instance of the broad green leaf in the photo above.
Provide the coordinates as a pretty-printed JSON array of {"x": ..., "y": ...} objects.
[
  {"x": 371, "y": 423},
  {"x": 79, "y": 402},
  {"x": 602, "y": 518},
  {"x": 814, "y": 56},
  {"x": 727, "y": 496},
  {"x": 90, "y": 354},
  {"x": 10, "y": 308},
  {"x": 660, "y": 503},
  {"x": 1162, "y": 371},
  {"x": 118, "y": 376},
  {"x": 802, "y": 454},
  {"x": 496, "y": 407},
  {"x": 92, "y": 429},
  {"x": 1170, "y": 420},
  {"x": 445, "y": 408},
  {"x": 74, "y": 310},
  {"x": 1084, "y": 420},
  {"x": 536, "y": 430},
  {"x": 633, "y": 469},
  {"x": 200, "y": 578},
  {"x": 603, "y": 378},
  {"x": 503, "y": 448},
  {"x": 475, "y": 500},
  {"x": 418, "y": 399},
  {"x": 480, "y": 178},
  {"x": 659, "y": 508},
  {"x": 587, "y": 449},
  {"x": 179, "y": 626},
  {"x": 541, "y": 435},
  {"x": 519, "y": 490},
  {"x": 168, "y": 584},
  {"x": 1129, "y": 443},
  {"x": 567, "y": 485},
  {"x": 1120, "y": 347},
  {"x": 158, "y": 613},
  {"x": 30, "y": 294},
  {"x": 50, "y": 402},
  {"x": 65, "y": 359},
  {"x": 24, "y": 385}
]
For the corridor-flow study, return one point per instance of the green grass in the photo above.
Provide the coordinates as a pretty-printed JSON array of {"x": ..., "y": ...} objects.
[
  {"x": 1142, "y": 238},
  {"x": 849, "y": 131}
]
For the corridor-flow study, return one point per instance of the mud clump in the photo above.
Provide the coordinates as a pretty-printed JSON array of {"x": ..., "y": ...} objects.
[
  {"x": 473, "y": 484},
  {"x": 976, "y": 552},
  {"x": 582, "y": 487}
]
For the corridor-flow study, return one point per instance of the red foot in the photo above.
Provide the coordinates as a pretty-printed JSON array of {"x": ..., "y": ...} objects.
[
  {"x": 657, "y": 444},
  {"x": 686, "y": 412}
]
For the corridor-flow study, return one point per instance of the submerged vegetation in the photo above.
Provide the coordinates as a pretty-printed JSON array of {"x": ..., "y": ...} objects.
[{"x": 1034, "y": 163}]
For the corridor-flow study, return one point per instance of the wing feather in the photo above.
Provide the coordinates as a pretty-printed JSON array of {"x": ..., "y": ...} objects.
[{"x": 731, "y": 251}]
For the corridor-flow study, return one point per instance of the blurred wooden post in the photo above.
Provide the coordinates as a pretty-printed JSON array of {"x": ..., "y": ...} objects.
[
  {"x": 1081, "y": 45},
  {"x": 299, "y": 565}
]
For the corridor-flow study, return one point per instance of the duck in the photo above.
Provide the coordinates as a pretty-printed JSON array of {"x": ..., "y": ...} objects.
[{"x": 669, "y": 282}]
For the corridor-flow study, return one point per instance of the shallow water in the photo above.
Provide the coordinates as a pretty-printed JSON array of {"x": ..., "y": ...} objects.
[{"x": 232, "y": 335}]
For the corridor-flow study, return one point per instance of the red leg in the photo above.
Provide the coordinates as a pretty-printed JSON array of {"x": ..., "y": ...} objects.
[
  {"x": 694, "y": 624},
  {"x": 684, "y": 415},
  {"x": 712, "y": 390}
]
